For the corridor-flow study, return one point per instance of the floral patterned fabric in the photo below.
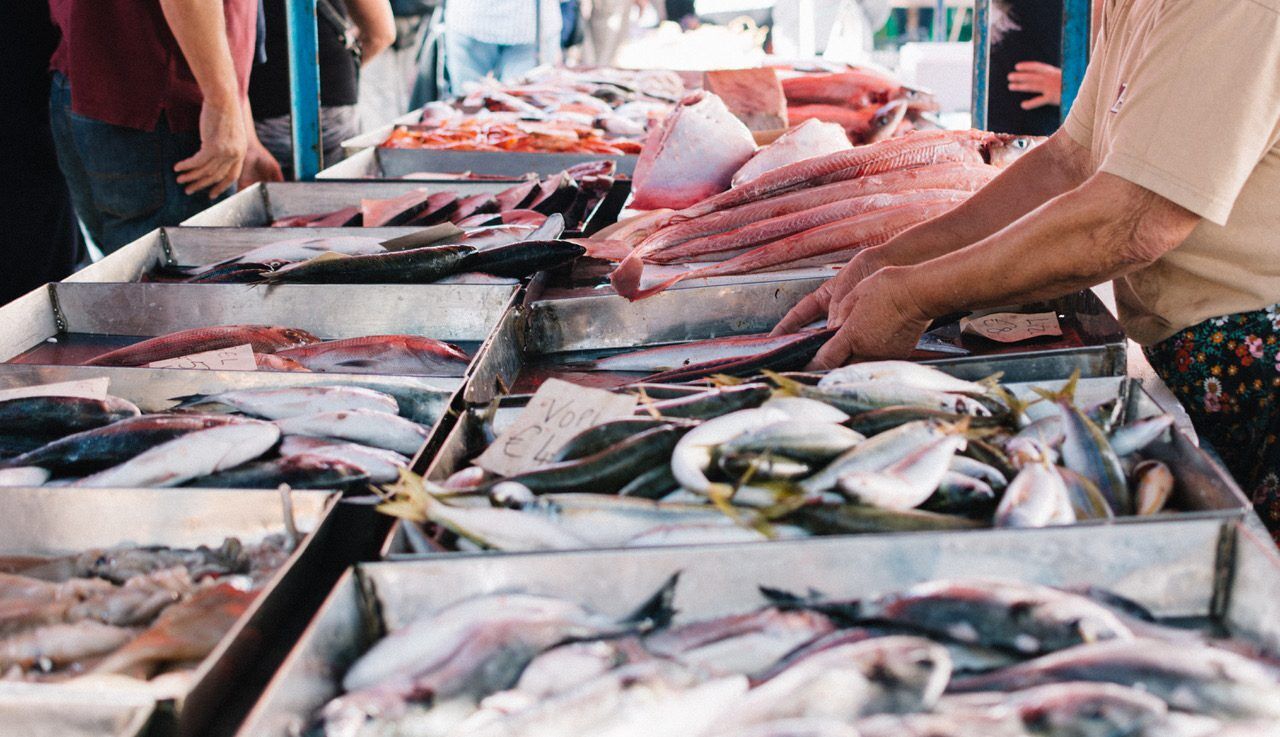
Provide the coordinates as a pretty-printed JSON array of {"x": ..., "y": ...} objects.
[{"x": 1226, "y": 372}]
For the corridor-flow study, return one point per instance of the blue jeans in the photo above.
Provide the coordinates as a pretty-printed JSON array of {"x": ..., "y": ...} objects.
[
  {"x": 121, "y": 180},
  {"x": 469, "y": 60}
]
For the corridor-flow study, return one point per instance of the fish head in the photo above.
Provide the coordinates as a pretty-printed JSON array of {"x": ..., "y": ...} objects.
[
  {"x": 1004, "y": 149},
  {"x": 298, "y": 336},
  {"x": 885, "y": 121}
]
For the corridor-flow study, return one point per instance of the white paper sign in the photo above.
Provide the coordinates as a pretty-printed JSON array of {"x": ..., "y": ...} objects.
[
  {"x": 1012, "y": 327},
  {"x": 85, "y": 389},
  {"x": 558, "y": 411},
  {"x": 235, "y": 358}
]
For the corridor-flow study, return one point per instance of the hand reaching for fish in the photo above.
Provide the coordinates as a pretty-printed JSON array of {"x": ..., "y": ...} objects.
[
  {"x": 876, "y": 319},
  {"x": 813, "y": 307}
]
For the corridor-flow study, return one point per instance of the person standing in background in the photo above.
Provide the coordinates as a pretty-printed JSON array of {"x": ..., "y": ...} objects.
[
  {"x": 607, "y": 24},
  {"x": 149, "y": 111},
  {"x": 43, "y": 248},
  {"x": 505, "y": 38},
  {"x": 351, "y": 34},
  {"x": 1026, "y": 50}
]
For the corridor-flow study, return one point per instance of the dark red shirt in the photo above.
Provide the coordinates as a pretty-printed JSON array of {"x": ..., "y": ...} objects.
[{"x": 125, "y": 66}]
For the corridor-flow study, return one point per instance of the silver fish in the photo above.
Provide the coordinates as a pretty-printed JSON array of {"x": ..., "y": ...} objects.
[
  {"x": 739, "y": 643},
  {"x": 1138, "y": 435},
  {"x": 907, "y": 483},
  {"x": 191, "y": 456},
  {"x": 1037, "y": 497},
  {"x": 285, "y": 402},
  {"x": 874, "y": 454},
  {"x": 1073, "y": 709},
  {"x": 381, "y": 466},
  {"x": 795, "y": 439},
  {"x": 694, "y": 452},
  {"x": 366, "y": 427},
  {"x": 905, "y": 373},
  {"x": 1087, "y": 451}
]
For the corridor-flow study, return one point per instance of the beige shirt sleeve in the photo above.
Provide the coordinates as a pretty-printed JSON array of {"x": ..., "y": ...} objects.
[
  {"x": 1201, "y": 104},
  {"x": 1079, "y": 122}
]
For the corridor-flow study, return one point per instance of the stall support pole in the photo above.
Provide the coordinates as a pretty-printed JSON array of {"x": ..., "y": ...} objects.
[
  {"x": 940, "y": 21},
  {"x": 1076, "y": 35},
  {"x": 981, "y": 61},
  {"x": 304, "y": 87}
]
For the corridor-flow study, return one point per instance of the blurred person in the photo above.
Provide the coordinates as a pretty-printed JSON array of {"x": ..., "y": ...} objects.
[
  {"x": 607, "y": 23},
  {"x": 351, "y": 34},
  {"x": 149, "y": 111},
  {"x": 682, "y": 12},
  {"x": 503, "y": 38},
  {"x": 43, "y": 248},
  {"x": 844, "y": 30},
  {"x": 1026, "y": 49}
]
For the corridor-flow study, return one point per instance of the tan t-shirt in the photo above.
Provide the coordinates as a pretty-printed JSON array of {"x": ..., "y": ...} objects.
[{"x": 1182, "y": 97}]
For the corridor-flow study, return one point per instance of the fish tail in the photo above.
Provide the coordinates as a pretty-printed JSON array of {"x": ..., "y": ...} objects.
[
  {"x": 786, "y": 386},
  {"x": 625, "y": 277},
  {"x": 189, "y": 400},
  {"x": 1066, "y": 394},
  {"x": 631, "y": 289},
  {"x": 659, "y": 609}
]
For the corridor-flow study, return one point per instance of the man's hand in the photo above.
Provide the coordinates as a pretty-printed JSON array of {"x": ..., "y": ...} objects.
[
  {"x": 259, "y": 166},
  {"x": 882, "y": 322},
  {"x": 819, "y": 303},
  {"x": 223, "y": 145},
  {"x": 1042, "y": 80}
]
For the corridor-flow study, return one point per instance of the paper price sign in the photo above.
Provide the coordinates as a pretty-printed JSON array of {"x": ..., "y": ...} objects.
[
  {"x": 1012, "y": 327},
  {"x": 558, "y": 411},
  {"x": 236, "y": 358}
]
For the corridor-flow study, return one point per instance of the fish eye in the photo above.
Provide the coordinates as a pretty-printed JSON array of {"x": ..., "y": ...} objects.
[{"x": 1021, "y": 143}]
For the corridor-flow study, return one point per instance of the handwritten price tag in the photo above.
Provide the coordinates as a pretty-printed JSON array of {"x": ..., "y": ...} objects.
[
  {"x": 236, "y": 358},
  {"x": 1011, "y": 327},
  {"x": 85, "y": 389},
  {"x": 558, "y": 411}
]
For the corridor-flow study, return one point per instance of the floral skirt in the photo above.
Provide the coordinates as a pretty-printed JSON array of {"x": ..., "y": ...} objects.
[{"x": 1226, "y": 372}]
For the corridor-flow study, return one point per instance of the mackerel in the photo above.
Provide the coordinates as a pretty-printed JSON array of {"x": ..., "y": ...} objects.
[
  {"x": 278, "y": 404},
  {"x": 608, "y": 470},
  {"x": 103, "y": 447},
  {"x": 44, "y": 416},
  {"x": 191, "y": 456},
  {"x": 1087, "y": 451}
]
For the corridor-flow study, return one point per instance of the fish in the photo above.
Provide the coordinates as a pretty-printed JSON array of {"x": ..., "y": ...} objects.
[
  {"x": 693, "y": 454},
  {"x": 603, "y": 436},
  {"x": 810, "y": 138},
  {"x": 997, "y": 724},
  {"x": 381, "y": 466},
  {"x": 1087, "y": 451},
  {"x": 606, "y": 471},
  {"x": 1153, "y": 485},
  {"x": 522, "y": 259},
  {"x": 859, "y": 519},
  {"x": 825, "y": 244},
  {"x": 381, "y": 213},
  {"x": 299, "y": 471},
  {"x": 382, "y": 354},
  {"x": 908, "y": 482},
  {"x": 1007, "y": 149},
  {"x": 272, "y": 362},
  {"x": 1137, "y": 436},
  {"x": 795, "y": 439},
  {"x": 678, "y": 355},
  {"x": 195, "y": 454},
  {"x": 284, "y": 402},
  {"x": 363, "y": 426},
  {"x": 124, "y": 563},
  {"x": 185, "y": 632},
  {"x": 62, "y": 644},
  {"x": 1072, "y": 709},
  {"x": 873, "y": 455},
  {"x": 739, "y": 643},
  {"x": 1086, "y": 501},
  {"x": 810, "y": 410},
  {"x": 901, "y": 372},
  {"x": 263, "y": 339},
  {"x": 865, "y": 125},
  {"x": 708, "y": 403},
  {"x": 411, "y": 266},
  {"x": 1196, "y": 678},
  {"x": 655, "y": 483},
  {"x": 298, "y": 249},
  {"x": 23, "y": 476},
  {"x": 850, "y": 86},
  {"x": 808, "y": 727},
  {"x": 1037, "y": 497},
  {"x": 792, "y": 354},
  {"x": 45, "y": 416},
  {"x": 103, "y": 447},
  {"x": 961, "y": 494}
]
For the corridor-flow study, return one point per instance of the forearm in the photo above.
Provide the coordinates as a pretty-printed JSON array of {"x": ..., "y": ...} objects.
[
  {"x": 377, "y": 26},
  {"x": 1057, "y": 166},
  {"x": 200, "y": 29}
]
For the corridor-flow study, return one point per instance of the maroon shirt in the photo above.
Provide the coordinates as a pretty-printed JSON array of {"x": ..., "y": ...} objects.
[{"x": 125, "y": 66}]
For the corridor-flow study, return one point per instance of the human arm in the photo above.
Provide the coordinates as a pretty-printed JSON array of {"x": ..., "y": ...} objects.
[
  {"x": 1056, "y": 166},
  {"x": 259, "y": 163},
  {"x": 200, "y": 29},
  {"x": 1039, "y": 79},
  {"x": 376, "y": 24},
  {"x": 1103, "y": 230}
]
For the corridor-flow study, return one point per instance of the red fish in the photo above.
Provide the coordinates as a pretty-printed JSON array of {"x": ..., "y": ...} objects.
[
  {"x": 382, "y": 354},
  {"x": 263, "y": 338}
]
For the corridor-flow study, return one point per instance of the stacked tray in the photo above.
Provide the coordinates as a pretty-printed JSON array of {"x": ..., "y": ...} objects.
[{"x": 396, "y": 163}]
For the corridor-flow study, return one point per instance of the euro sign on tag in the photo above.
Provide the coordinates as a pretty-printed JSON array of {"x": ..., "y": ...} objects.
[
  {"x": 1012, "y": 327},
  {"x": 235, "y": 358},
  {"x": 557, "y": 412}
]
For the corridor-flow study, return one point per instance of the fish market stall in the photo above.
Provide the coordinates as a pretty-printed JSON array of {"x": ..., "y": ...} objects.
[
  {"x": 411, "y": 163},
  {"x": 237, "y": 566},
  {"x": 767, "y": 610}
]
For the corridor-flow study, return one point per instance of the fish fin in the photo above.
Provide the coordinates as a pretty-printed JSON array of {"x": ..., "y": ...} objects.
[
  {"x": 1066, "y": 393},
  {"x": 189, "y": 400},
  {"x": 786, "y": 386},
  {"x": 408, "y": 498},
  {"x": 658, "y": 610},
  {"x": 646, "y": 402},
  {"x": 726, "y": 380},
  {"x": 625, "y": 277},
  {"x": 783, "y": 599}
]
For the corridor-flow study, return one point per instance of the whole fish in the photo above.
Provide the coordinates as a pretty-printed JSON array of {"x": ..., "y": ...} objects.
[
  {"x": 694, "y": 453},
  {"x": 608, "y": 470},
  {"x": 411, "y": 355},
  {"x": 63, "y": 644},
  {"x": 907, "y": 482},
  {"x": 1136, "y": 436},
  {"x": 567, "y": 666},
  {"x": 300, "y": 249},
  {"x": 716, "y": 533},
  {"x": 679, "y": 355},
  {"x": 605, "y": 435},
  {"x": 502, "y": 529},
  {"x": 278, "y": 404},
  {"x": 655, "y": 483},
  {"x": 961, "y": 494},
  {"x": 522, "y": 259},
  {"x": 263, "y": 339},
  {"x": 901, "y": 372},
  {"x": 868, "y": 124},
  {"x": 979, "y": 470},
  {"x": 381, "y": 466},
  {"x": 874, "y": 454},
  {"x": 1072, "y": 709},
  {"x": 807, "y": 410},
  {"x": 45, "y": 416},
  {"x": 195, "y": 454},
  {"x": 708, "y": 403},
  {"x": 1196, "y": 678},
  {"x": 412, "y": 266},
  {"x": 747, "y": 642},
  {"x": 103, "y": 447},
  {"x": 363, "y": 426},
  {"x": 1085, "y": 499},
  {"x": 1087, "y": 451},
  {"x": 795, "y": 439},
  {"x": 23, "y": 476},
  {"x": 299, "y": 471},
  {"x": 1037, "y": 497},
  {"x": 858, "y": 519},
  {"x": 791, "y": 355}
]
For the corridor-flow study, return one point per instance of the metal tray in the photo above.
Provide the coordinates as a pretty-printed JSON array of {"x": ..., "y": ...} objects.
[
  {"x": 30, "y": 710},
  {"x": 375, "y": 137},
  {"x": 395, "y": 163},
  {"x": 1203, "y": 488},
  {"x": 1178, "y": 569},
  {"x": 61, "y": 521},
  {"x": 550, "y": 332}
]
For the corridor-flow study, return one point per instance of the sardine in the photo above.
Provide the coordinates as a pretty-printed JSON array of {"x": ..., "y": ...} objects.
[
  {"x": 191, "y": 456},
  {"x": 263, "y": 339},
  {"x": 46, "y": 416},
  {"x": 366, "y": 427},
  {"x": 281, "y": 403},
  {"x": 407, "y": 355},
  {"x": 94, "y": 450}
]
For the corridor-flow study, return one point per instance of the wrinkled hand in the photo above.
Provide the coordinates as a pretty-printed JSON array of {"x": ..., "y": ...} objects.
[
  {"x": 880, "y": 321},
  {"x": 223, "y": 145},
  {"x": 259, "y": 166},
  {"x": 832, "y": 291},
  {"x": 1042, "y": 80}
]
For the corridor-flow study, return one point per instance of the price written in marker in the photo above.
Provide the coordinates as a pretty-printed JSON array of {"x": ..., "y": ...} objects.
[
  {"x": 1012, "y": 327},
  {"x": 558, "y": 411},
  {"x": 84, "y": 389},
  {"x": 235, "y": 358}
]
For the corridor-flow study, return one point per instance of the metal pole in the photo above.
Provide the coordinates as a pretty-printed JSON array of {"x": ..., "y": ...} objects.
[
  {"x": 304, "y": 88},
  {"x": 940, "y": 21},
  {"x": 981, "y": 61},
  {"x": 1076, "y": 34}
]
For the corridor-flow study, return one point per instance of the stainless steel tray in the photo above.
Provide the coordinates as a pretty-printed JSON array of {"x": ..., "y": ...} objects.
[
  {"x": 1203, "y": 488},
  {"x": 30, "y": 710},
  {"x": 1178, "y": 569},
  {"x": 396, "y": 163},
  {"x": 550, "y": 332},
  {"x": 61, "y": 521}
]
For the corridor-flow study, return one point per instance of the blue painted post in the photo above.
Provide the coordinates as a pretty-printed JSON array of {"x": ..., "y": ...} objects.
[
  {"x": 304, "y": 87},
  {"x": 940, "y": 21},
  {"x": 1076, "y": 34},
  {"x": 981, "y": 61}
]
